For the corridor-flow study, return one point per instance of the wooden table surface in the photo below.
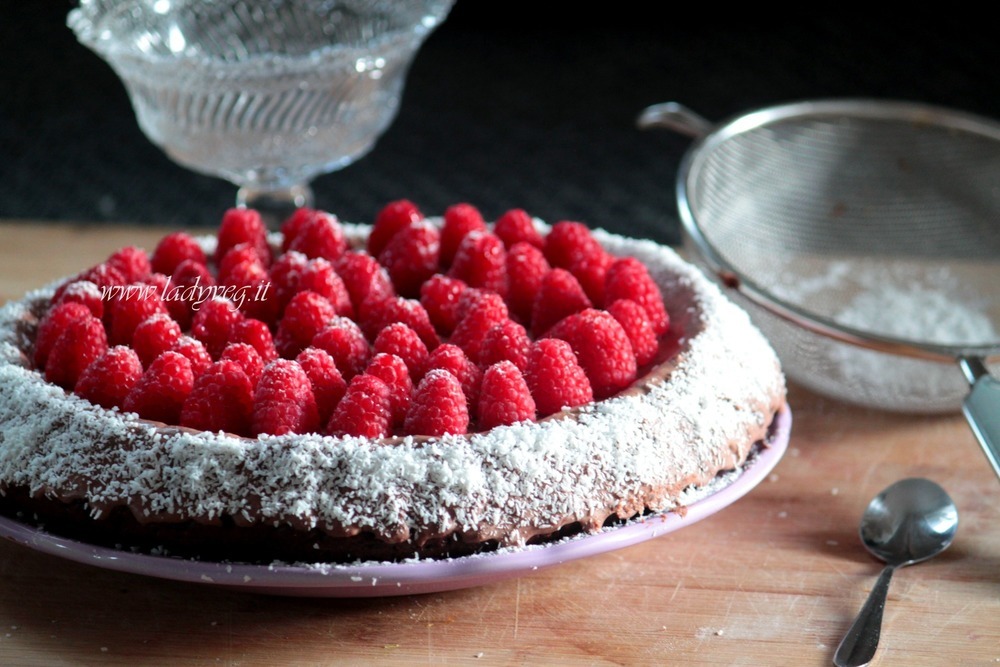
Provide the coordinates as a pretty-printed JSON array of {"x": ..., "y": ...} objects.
[{"x": 774, "y": 579}]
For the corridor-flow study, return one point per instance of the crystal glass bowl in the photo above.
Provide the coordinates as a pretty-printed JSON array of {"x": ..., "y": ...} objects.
[{"x": 265, "y": 93}]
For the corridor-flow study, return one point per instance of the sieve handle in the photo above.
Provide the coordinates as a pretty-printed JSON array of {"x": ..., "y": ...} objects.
[
  {"x": 676, "y": 117},
  {"x": 982, "y": 408}
]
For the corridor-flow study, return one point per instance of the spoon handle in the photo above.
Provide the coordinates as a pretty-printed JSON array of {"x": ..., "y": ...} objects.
[{"x": 859, "y": 644}]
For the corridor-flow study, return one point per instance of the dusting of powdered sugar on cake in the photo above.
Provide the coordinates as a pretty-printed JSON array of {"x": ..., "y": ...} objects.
[{"x": 638, "y": 450}]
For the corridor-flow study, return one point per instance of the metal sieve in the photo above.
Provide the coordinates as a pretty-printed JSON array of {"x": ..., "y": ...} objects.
[{"x": 863, "y": 238}]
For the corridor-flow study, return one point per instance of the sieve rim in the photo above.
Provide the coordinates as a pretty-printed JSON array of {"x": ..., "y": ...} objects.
[{"x": 733, "y": 277}]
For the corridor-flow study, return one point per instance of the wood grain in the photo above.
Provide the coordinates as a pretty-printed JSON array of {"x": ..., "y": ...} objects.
[{"x": 774, "y": 579}]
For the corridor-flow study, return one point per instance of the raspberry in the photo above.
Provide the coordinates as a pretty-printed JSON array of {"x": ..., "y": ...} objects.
[
  {"x": 555, "y": 377},
  {"x": 213, "y": 324},
  {"x": 131, "y": 262},
  {"x": 221, "y": 399},
  {"x": 81, "y": 342},
  {"x": 53, "y": 324},
  {"x": 438, "y": 407},
  {"x": 343, "y": 340},
  {"x": 320, "y": 236},
  {"x": 319, "y": 276},
  {"x": 103, "y": 275},
  {"x": 451, "y": 358},
  {"x": 394, "y": 216},
  {"x": 516, "y": 226},
  {"x": 283, "y": 401},
  {"x": 481, "y": 261},
  {"x": 485, "y": 313},
  {"x": 293, "y": 225},
  {"x": 635, "y": 322},
  {"x": 378, "y": 316},
  {"x": 560, "y": 295},
  {"x": 154, "y": 336},
  {"x": 160, "y": 393},
  {"x": 248, "y": 359},
  {"x": 504, "y": 397},
  {"x": 459, "y": 221},
  {"x": 392, "y": 370},
  {"x": 195, "y": 352},
  {"x": 365, "y": 411},
  {"x": 241, "y": 265},
  {"x": 173, "y": 249},
  {"x": 569, "y": 242},
  {"x": 328, "y": 384},
  {"x": 110, "y": 377},
  {"x": 241, "y": 225},
  {"x": 411, "y": 257},
  {"x": 591, "y": 273},
  {"x": 628, "y": 278},
  {"x": 134, "y": 304},
  {"x": 85, "y": 292},
  {"x": 256, "y": 334},
  {"x": 364, "y": 278},
  {"x": 439, "y": 296},
  {"x": 305, "y": 316},
  {"x": 602, "y": 348},
  {"x": 400, "y": 340},
  {"x": 285, "y": 274},
  {"x": 190, "y": 284},
  {"x": 507, "y": 341},
  {"x": 170, "y": 294},
  {"x": 526, "y": 267}
]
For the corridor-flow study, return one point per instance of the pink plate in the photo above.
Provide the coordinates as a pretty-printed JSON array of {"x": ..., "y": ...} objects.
[{"x": 373, "y": 579}]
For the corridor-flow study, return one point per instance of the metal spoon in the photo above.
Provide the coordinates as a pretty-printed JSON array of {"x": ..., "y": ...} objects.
[{"x": 910, "y": 521}]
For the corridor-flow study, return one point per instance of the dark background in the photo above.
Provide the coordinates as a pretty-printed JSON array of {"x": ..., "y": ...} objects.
[{"x": 504, "y": 107}]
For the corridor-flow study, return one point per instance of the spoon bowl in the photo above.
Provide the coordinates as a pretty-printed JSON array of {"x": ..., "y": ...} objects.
[{"x": 909, "y": 522}]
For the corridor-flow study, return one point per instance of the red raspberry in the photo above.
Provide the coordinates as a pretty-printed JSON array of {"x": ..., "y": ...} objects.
[
  {"x": 560, "y": 295},
  {"x": 305, "y": 316},
  {"x": 81, "y": 342},
  {"x": 328, "y": 384},
  {"x": 635, "y": 322},
  {"x": 411, "y": 257},
  {"x": 248, "y": 359},
  {"x": 343, "y": 340},
  {"x": 376, "y": 317},
  {"x": 320, "y": 236},
  {"x": 173, "y": 249},
  {"x": 451, "y": 358},
  {"x": 392, "y": 370},
  {"x": 130, "y": 307},
  {"x": 438, "y": 407},
  {"x": 285, "y": 274},
  {"x": 256, "y": 334},
  {"x": 439, "y": 296},
  {"x": 602, "y": 348},
  {"x": 507, "y": 341},
  {"x": 628, "y": 278},
  {"x": 319, "y": 276},
  {"x": 481, "y": 261},
  {"x": 526, "y": 267},
  {"x": 85, "y": 292},
  {"x": 160, "y": 393},
  {"x": 131, "y": 262},
  {"x": 459, "y": 221},
  {"x": 516, "y": 226},
  {"x": 555, "y": 377},
  {"x": 400, "y": 340},
  {"x": 591, "y": 272},
  {"x": 364, "y": 278},
  {"x": 394, "y": 216},
  {"x": 241, "y": 265},
  {"x": 569, "y": 242},
  {"x": 195, "y": 352},
  {"x": 487, "y": 311},
  {"x": 504, "y": 397},
  {"x": 213, "y": 324},
  {"x": 283, "y": 401},
  {"x": 365, "y": 411},
  {"x": 53, "y": 324},
  {"x": 221, "y": 399},
  {"x": 154, "y": 336},
  {"x": 190, "y": 285},
  {"x": 103, "y": 275},
  {"x": 110, "y": 377},
  {"x": 242, "y": 225},
  {"x": 293, "y": 225}
]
